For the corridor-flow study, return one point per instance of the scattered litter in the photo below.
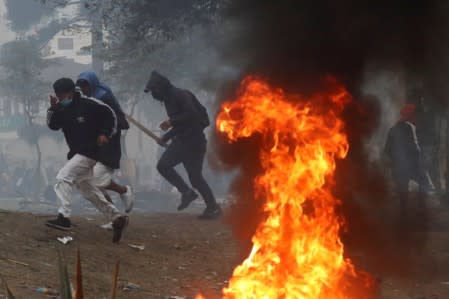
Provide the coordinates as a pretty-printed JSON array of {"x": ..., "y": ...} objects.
[
  {"x": 177, "y": 297},
  {"x": 47, "y": 291},
  {"x": 65, "y": 240},
  {"x": 445, "y": 282},
  {"x": 177, "y": 246},
  {"x": 129, "y": 287},
  {"x": 16, "y": 262},
  {"x": 90, "y": 219},
  {"x": 46, "y": 264},
  {"x": 137, "y": 247},
  {"x": 107, "y": 226}
]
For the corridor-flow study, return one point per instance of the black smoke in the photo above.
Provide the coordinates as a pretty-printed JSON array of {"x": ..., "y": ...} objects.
[{"x": 293, "y": 44}]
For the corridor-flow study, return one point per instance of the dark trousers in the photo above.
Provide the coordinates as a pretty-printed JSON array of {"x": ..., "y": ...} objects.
[
  {"x": 402, "y": 180},
  {"x": 191, "y": 154}
]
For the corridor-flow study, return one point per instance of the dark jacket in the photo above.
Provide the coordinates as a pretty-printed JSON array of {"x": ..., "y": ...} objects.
[
  {"x": 112, "y": 152},
  {"x": 426, "y": 127},
  {"x": 102, "y": 92},
  {"x": 184, "y": 116},
  {"x": 82, "y": 122},
  {"x": 402, "y": 148}
]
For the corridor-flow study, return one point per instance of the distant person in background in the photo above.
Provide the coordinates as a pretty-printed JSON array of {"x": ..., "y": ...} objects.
[
  {"x": 428, "y": 123},
  {"x": 110, "y": 154},
  {"x": 87, "y": 125},
  {"x": 185, "y": 126},
  {"x": 403, "y": 151}
]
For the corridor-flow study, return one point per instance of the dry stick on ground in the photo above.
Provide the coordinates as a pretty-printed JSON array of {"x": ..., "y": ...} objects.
[
  {"x": 114, "y": 280},
  {"x": 14, "y": 261},
  {"x": 9, "y": 294}
]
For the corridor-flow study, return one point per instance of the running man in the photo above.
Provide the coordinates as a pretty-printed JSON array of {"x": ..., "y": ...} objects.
[
  {"x": 87, "y": 126},
  {"x": 185, "y": 126},
  {"x": 110, "y": 154}
]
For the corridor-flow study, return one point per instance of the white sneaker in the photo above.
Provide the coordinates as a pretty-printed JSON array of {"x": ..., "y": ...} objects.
[
  {"x": 107, "y": 226},
  {"x": 128, "y": 199}
]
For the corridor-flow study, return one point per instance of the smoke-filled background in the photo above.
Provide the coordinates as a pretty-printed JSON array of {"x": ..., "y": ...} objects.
[{"x": 381, "y": 51}]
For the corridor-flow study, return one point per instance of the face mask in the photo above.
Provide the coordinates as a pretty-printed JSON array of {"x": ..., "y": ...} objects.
[{"x": 65, "y": 102}]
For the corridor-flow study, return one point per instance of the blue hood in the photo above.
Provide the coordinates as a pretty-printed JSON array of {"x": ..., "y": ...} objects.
[{"x": 99, "y": 89}]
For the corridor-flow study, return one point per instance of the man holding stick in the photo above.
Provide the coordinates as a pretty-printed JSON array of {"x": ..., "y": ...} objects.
[{"x": 187, "y": 120}]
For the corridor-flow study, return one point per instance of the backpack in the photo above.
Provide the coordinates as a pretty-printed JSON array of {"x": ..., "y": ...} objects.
[{"x": 202, "y": 111}]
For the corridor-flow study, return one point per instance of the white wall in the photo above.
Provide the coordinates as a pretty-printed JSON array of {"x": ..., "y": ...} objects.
[{"x": 79, "y": 39}]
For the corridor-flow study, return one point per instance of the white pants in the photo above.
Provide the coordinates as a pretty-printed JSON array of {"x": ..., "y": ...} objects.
[
  {"x": 103, "y": 175},
  {"x": 78, "y": 173}
]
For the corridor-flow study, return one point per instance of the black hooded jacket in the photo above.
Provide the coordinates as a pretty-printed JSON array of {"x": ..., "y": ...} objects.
[
  {"x": 111, "y": 153},
  {"x": 182, "y": 110},
  {"x": 183, "y": 116},
  {"x": 402, "y": 148},
  {"x": 82, "y": 121}
]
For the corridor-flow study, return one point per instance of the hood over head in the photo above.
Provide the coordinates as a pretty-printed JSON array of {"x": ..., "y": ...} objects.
[
  {"x": 158, "y": 84},
  {"x": 408, "y": 113},
  {"x": 98, "y": 89}
]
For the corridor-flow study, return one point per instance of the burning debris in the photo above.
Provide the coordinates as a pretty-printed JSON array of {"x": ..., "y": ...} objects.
[
  {"x": 292, "y": 45},
  {"x": 297, "y": 251}
]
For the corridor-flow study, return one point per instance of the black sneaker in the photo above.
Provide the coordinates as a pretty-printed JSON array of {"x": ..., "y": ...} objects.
[
  {"x": 211, "y": 213},
  {"x": 61, "y": 223},
  {"x": 186, "y": 199},
  {"x": 119, "y": 225}
]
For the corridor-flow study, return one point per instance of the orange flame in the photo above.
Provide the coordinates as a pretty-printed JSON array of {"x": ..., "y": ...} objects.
[{"x": 297, "y": 251}]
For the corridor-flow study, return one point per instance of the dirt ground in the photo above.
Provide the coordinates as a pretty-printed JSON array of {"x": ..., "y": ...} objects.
[{"x": 182, "y": 257}]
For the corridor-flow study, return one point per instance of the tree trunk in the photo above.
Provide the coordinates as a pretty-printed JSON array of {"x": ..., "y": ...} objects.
[
  {"x": 38, "y": 178},
  {"x": 97, "y": 43},
  {"x": 37, "y": 175},
  {"x": 123, "y": 139}
]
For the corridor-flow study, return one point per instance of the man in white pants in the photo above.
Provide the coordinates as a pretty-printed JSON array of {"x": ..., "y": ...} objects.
[
  {"x": 87, "y": 126},
  {"x": 110, "y": 154}
]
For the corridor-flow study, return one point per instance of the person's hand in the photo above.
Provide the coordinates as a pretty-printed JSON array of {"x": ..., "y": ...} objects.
[
  {"x": 165, "y": 125},
  {"x": 53, "y": 100},
  {"x": 102, "y": 140},
  {"x": 161, "y": 142}
]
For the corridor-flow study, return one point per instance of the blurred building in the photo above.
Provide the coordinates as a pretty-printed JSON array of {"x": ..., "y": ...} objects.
[{"x": 71, "y": 44}]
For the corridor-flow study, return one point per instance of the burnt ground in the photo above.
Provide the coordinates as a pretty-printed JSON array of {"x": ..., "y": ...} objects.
[{"x": 182, "y": 256}]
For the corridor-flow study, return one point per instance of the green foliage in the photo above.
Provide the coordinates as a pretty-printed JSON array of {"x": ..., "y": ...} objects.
[
  {"x": 22, "y": 64},
  {"x": 9, "y": 294},
  {"x": 65, "y": 290},
  {"x": 23, "y": 14}
]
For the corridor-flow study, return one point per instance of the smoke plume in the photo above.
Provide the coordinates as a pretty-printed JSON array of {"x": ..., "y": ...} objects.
[{"x": 293, "y": 44}]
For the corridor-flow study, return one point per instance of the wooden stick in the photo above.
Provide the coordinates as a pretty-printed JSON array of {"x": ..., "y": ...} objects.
[{"x": 143, "y": 128}]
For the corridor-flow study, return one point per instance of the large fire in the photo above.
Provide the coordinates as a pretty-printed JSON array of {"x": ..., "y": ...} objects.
[{"x": 297, "y": 251}]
